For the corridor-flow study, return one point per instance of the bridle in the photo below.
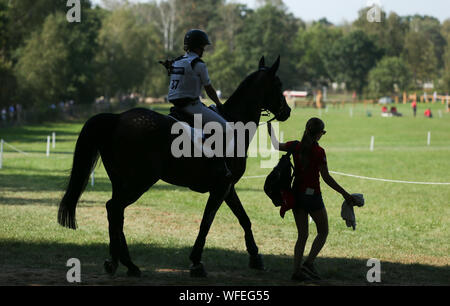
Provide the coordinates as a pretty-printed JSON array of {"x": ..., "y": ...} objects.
[{"x": 266, "y": 112}]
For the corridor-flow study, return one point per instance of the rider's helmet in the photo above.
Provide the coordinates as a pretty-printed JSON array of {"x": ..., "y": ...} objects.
[{"x": 195, "y": 39}]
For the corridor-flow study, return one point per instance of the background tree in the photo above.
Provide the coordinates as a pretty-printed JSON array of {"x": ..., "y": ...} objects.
[
  {"x": 278, "y": 4},
  {"x": 445, "y": 30},
  {"x": 420, "y": 55},
  {"x": 388, "y": 35},
  {"x": 26, "y": 16},
  {"x": 431, "y": 28},
  {"x": 43, "y": 68},
  {"x": 53, "y": 61},
  {"x": 8, "y": 84},
  {"x": 224, "y": 72},
  {"x": 198, "y": 14},
  {"x": 232, "y": 16},
  {"x": 389, "y": 75},
  {"x": 396, "y": 29},
  {"x": 444, "y": 85},
  {"x": 268, "y": 31},
  {"x": 350, "y": 59},
  {"x": 7, "y": 79},
  {"x": 165, "y": 19},
  {"x": 4, "y": 21},
  {"x": 116, "y": 47},
  {"x": 128, "y": 53},
  {"x": 310, "y": 49},
  {"x": 83, "y": 46}
]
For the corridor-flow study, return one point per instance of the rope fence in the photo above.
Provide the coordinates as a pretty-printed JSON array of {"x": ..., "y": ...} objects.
[
  {"x": 14, "y": 148},
  {"x": 364, "y": 178}
]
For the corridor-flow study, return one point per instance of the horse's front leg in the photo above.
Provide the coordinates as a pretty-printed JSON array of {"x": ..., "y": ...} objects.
[
  {"x": 236, "y": 207},
  {"x": 212, "y": 206}
]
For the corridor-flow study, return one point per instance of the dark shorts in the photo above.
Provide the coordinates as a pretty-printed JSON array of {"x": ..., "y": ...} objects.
[{"x": 309, "y": 203}]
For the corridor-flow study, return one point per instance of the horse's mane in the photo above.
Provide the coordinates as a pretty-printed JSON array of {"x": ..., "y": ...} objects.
[{"x": 244, "y": 85}]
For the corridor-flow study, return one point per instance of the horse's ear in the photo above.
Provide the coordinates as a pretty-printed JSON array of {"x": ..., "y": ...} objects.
[
  {"x": 273, "y": 70},
  {"x": 262, "y": 63}
]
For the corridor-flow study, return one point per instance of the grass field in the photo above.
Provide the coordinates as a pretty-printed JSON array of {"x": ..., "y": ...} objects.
[{"x": 405, "y": 226}]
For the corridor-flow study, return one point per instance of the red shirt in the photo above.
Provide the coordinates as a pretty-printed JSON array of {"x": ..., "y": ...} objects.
[{"x": 309, "y": 179}]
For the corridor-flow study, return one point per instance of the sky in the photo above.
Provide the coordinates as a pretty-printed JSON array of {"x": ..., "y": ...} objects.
[{"x": 338, "y": 11}]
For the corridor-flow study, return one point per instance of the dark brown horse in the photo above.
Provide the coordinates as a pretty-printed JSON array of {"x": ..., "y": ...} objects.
[{"x": 135, "y": 148}]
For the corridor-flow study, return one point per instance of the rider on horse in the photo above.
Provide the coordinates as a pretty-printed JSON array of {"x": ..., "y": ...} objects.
[{"x": 188, "y": 74}]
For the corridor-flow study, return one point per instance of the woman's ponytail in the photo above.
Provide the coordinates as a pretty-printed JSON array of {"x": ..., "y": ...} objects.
[{"x": 313, "y": 127}]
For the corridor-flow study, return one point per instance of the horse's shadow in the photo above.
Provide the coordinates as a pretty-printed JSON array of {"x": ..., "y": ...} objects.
[
  {"x": 58, "y": 181},
  {"x": 44, "y": 263},
  {"x": 40, "y": 181}
]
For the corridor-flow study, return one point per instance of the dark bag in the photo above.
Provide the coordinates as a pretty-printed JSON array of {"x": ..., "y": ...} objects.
[{"x": 280, "y": 178}]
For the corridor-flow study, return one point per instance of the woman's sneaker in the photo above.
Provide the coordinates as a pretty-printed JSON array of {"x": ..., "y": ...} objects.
[{"x": 309, "y": 269}]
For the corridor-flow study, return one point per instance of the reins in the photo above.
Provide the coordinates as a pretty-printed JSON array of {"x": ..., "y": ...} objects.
[{"x": 267, "y": 114}]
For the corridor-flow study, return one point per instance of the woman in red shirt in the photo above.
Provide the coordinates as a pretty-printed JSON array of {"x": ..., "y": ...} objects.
[{"x": 310, "y": 162}]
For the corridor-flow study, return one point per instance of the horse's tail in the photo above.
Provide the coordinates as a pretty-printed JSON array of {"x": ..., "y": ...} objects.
[{"x": 86, "y": 154}]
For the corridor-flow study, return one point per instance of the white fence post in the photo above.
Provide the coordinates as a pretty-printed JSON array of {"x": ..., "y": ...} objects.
[
  {"x": 53, "y": 140},
  {"x": 48, "y": 146},
  {"x": 372, "y": 143}
]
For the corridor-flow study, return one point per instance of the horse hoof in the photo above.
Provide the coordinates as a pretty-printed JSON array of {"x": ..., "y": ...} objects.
[
  {"x": 135, "y": 272},
  {"x": 198, "y": 270},
  {"x": 110, "y": 267},
  {"x": 256, "y": 262}
]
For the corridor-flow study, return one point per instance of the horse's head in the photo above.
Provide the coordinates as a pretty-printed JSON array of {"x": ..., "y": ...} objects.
[{"x": 273, "y": 98}]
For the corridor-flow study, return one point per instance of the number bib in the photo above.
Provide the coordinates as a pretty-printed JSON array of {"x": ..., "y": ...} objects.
[{"x": 187, "y": 77}]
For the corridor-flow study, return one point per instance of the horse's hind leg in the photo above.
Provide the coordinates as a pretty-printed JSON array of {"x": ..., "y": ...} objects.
[
  {"x": 118, "y": 248},
  {"x": 214, "y": 201},
  {"x": 236, "y": 207},
  {"x": 123, "y": 196}
]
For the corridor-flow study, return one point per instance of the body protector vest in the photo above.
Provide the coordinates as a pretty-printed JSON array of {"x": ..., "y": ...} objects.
[{"x": 187, "y": 77}]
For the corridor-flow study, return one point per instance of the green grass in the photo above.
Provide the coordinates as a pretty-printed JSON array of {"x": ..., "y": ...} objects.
[{"x": 405, "y": 226}]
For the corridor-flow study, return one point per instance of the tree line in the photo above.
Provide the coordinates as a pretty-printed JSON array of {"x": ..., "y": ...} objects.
[{"x": 115, "y": 49}]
